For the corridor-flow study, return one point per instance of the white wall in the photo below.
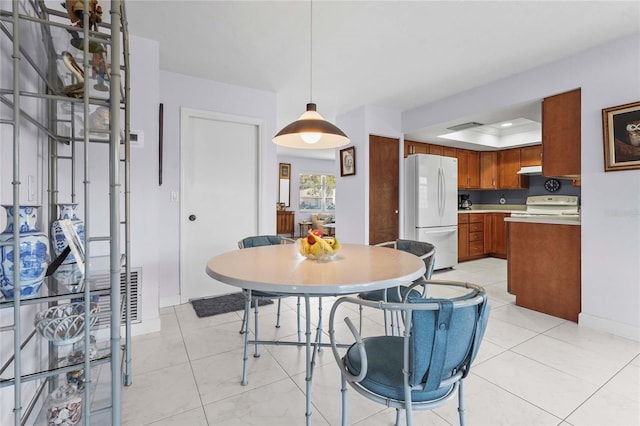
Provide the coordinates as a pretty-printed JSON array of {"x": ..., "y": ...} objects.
[
  {"x": 352, "y": 200},
  {"x": 608, "y": 76},
  {"x": 178, "y": 91},
  {"x": 304, "y": 166}
]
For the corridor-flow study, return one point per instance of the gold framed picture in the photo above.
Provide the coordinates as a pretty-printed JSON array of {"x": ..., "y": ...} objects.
[{"x": 621, "y": 128}]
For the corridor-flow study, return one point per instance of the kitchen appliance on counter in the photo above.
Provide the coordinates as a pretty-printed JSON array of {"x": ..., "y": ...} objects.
[
  {"x": 464, "y": 203},
  {"x": 431, "y": 212},
  {"x": 551, "y": 206}
]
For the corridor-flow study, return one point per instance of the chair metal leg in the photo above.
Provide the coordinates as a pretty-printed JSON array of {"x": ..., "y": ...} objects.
[
  {"x": 343, "y": 391},
  {"x": 298, "y": 313},
  {"x": 245, "y": 356},
  {"x": 256, "y": 353},
  {"x": 244, "y": 318},
  {"x": 461, "y": 407},
  {"x": 319, "y": 328},
  {"x": 278, "y": 314}
]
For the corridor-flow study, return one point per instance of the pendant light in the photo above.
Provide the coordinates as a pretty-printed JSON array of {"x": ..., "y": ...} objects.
[{"x": 311, "y": 131}]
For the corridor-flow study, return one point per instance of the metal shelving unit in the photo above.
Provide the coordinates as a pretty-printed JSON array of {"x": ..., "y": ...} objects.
[{"x": 59, "y": 108}]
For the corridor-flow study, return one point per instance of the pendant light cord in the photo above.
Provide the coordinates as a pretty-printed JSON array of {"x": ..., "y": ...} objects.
[{"x": 311, "y": 52}]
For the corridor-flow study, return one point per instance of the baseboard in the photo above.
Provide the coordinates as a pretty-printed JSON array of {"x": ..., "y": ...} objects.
[
  {"x": 619, "y": 329},
  {"x": 169, "y": 301}
]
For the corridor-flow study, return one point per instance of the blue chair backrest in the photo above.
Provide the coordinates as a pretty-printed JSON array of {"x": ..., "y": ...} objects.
[
  {"x": 445, "y": 341},
  {"x": 261, "y": 240},
  {"x": 419, "y": 248}
]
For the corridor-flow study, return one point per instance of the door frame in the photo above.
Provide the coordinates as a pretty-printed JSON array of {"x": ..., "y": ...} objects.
[{"x": 187, "y": 113}]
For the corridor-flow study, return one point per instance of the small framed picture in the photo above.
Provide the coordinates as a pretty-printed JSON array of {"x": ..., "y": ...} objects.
[
  {"x": 621, "y": 128},
  {"x": 285, "y": 170},
  {"x": 348, "y": 161}
]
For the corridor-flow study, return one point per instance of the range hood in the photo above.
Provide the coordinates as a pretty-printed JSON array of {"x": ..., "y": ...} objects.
[{"x": 530, "y": 170}]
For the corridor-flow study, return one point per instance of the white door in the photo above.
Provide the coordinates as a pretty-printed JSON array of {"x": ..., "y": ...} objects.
[{"x": 220, "y": 187}]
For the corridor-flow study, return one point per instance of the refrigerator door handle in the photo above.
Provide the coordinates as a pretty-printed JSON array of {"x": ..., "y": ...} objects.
[
  {"x": 444, "y": 231},
  {"x": 444, "y": 192}
]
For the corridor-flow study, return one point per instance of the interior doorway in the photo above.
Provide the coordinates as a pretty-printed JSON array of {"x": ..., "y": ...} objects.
[
  {"x": 384, "y": 193},
  {"x": 220, "y": 182}
]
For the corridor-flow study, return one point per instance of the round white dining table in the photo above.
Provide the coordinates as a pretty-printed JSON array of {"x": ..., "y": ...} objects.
[{"x": 282, "y": 269}]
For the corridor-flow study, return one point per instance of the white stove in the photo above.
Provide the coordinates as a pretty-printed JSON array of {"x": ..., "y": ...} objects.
[{"x": 551, "y": 206}]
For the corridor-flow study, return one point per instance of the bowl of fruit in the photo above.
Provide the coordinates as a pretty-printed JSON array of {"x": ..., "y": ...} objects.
[{"x": 316, "y": 246}]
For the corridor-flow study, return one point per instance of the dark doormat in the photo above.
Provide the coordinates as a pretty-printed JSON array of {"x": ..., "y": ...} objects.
[{"x": 222, "y": 304}]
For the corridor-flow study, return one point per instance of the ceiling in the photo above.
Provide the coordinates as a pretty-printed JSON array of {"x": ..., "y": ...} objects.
[{"x": 391, "y": 54}]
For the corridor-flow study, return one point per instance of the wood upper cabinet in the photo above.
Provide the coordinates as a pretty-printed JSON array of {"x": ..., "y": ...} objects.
[
  {"x": 449, "y": 151},
  {"x": 435, "y": 149},
  {"x": 412, "y": 147},
  {"x": 508, "y": 165},
  {"x": 468, "y": 169},
  {"x": 489, "y": 170},
  {"x": 561, "y": 135},
  {"x": 531, "y": 155}
]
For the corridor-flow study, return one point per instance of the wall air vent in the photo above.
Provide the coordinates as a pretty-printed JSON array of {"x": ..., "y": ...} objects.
[
  {"x": 464, "y": 126},
  {"x": 102, "y": 282}
]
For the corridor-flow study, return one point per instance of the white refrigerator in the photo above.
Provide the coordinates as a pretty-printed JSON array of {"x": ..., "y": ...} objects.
[{"x": 431, "y": 204}]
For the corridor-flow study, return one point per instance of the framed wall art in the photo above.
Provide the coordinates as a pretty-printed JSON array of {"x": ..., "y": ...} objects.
[
  {"x": 621, "y": 128},
  {"x": 348, "y": 161}
]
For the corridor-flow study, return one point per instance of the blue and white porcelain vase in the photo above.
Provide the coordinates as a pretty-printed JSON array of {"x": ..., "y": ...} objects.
[
  {"x": 34, "y": 252},
  {"x": 58, "y": 240}
]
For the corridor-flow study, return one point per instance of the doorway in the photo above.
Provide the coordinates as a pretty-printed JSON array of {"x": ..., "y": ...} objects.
[
  {"x": 384, "y": 193},
  {"x": 220, "y": 191}
]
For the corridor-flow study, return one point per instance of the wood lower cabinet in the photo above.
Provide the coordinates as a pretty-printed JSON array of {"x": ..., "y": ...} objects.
[
  {"x": 543, "y": 268},
  {"x": 463, "y": 236},
  {"x": 470, "y": 236},
  {"x": 482, "y": 234},
  {"x": 285, "y": 222}
]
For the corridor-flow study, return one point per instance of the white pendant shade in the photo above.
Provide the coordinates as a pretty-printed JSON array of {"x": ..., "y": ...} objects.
[{"x": 311, "y": 131}]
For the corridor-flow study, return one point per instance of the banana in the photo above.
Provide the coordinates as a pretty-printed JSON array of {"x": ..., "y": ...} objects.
[{"x": 325, "y": 245}]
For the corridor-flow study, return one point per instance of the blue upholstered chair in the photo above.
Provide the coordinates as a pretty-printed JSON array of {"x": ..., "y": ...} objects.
[
  {"x": 424, "y": 251},
  {"x": 422, "y": 369},
  {"x": 256, "y": 296}
]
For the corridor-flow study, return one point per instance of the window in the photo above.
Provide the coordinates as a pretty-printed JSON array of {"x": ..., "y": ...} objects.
[{"x": 317, "y": 192}]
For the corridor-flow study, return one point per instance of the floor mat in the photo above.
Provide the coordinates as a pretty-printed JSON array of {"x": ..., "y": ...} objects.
[{"x": 222, "y": 304}]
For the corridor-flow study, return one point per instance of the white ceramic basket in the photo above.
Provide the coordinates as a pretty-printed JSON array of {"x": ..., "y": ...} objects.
[{"x": 64, "y": 324}]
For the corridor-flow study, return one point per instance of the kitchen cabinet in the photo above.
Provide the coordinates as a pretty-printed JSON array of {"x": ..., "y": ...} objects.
[
  {"x": 285, "y": 222},
  {"x": 489, "y": 170},
  {"x": 543, "y": 268},
  {"x": 448, "y": 151},
  {"x": 411, "y": 147},
  {"x": 495, "y": 231},
  {"x": 508, "y": 167},
  {"x": 561, "y": 135},
  {"x": 463, "y": 236},
  {"x": 468, "y": 169},
  {"x": 470, "y": 225},
  {"x": 531, "y": 155},
  {"x": 435, "y": 149}
]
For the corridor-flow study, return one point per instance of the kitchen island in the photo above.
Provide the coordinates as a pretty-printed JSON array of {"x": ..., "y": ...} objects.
[{"x": 544, "y": 265}]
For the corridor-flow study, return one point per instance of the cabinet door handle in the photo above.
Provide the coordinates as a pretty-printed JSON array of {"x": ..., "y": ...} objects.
[{"x": 192, "y": 217}]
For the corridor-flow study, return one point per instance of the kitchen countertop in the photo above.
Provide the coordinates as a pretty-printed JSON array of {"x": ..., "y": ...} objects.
[
  {"x": 495, "y": 208},
  {"x": 510, "y": 208}
]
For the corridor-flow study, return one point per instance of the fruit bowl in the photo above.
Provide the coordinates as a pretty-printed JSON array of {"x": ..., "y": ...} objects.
[
  {"x": 64, "y": 324},
  {"x": 318, "y": 247}
]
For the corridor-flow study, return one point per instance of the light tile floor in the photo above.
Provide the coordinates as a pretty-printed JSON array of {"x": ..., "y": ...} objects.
[{"x": 532, "y": 369}]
